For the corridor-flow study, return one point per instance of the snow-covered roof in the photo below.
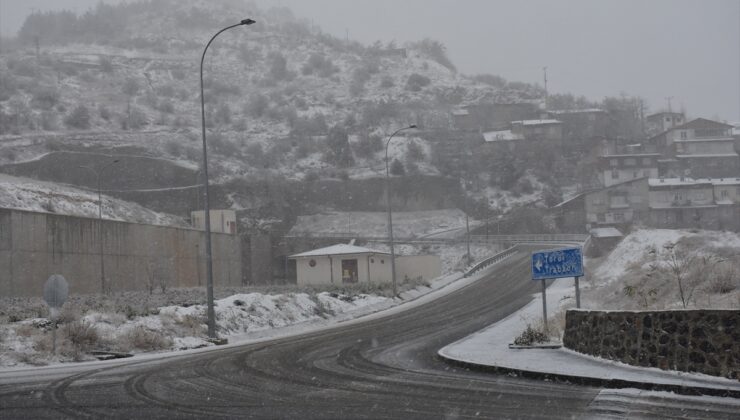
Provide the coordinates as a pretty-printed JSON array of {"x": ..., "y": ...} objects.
[
  {"x": 536, "y": 122},
  {"x": 576, "y": 111},
  {"x": 673, "y": 182},
  {"x": 709, "y": 155},
  {"x": 691, "y": 181},
  {"x": 460, "y": 112},
  {"x": 726, "y": 181},
  {"x": 338, "y": 249},
  {"x": 705, "y": 140},
  {"x": 503, "y": 135},
  {"x": 605, "y": 232}
]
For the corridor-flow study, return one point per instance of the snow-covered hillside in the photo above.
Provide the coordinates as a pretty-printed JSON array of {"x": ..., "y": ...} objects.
[
  {"x": 643, "y": 271},
  {"x": 39, "y": 196}
]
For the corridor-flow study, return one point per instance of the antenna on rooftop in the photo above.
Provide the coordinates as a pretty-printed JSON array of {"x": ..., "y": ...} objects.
[
  {"x": 668, "y": 99},
  {"x": 544, "y": 71}
]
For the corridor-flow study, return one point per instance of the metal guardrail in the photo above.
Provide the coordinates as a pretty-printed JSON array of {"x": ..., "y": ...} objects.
[{"x": 492, "y": 260}]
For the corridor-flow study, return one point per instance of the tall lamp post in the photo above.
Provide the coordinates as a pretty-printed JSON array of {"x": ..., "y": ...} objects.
[
  {"x": 206, "y": 204},
  {"x": 388, "y": 202},
  {"x": 100, "y": 220}
]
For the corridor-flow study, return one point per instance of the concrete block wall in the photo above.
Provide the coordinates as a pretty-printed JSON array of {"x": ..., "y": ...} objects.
[
  {"x": 34, "y": 246},
  {"x": 705, "y": 341}
]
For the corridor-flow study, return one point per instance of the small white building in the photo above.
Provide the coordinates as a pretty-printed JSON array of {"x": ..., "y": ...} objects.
[
  {"x": 350, "y": 264},
  {"x": 222, "y": 221}
]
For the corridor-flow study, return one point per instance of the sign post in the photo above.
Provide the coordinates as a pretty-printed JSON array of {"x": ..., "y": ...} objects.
[
  {"x": 557, "y": 263},
  {"x": 56, "y": 291}
]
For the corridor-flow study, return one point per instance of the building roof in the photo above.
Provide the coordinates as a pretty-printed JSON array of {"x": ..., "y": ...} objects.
[
  {"x": 605, "y": 232},
  {"x": 710, "y": 155},
  {"x": 577, "y": 111},
  {"x": 726, "y": 181},
  {"x": 460, "y": 112},
  {"x": 678, "y": 182},
  {"x": 536, "y": 122},
  {"x": 657, "y": 114},
  {"x": 503, "y": 135},
  {"x": 701, "y": 123},
  {"x": 338, "y": 249},
  {"x": 628, "y": 155}
]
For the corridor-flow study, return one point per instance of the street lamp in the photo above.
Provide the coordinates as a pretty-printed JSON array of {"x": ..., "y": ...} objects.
[
  {"x": 206, "y": 204},
  {"x": 388, "y": 201},
  {"x": 100, "y": 220}
]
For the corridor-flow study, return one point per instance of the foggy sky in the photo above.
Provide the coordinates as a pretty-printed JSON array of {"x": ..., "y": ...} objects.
[{"x": 685, "y": 49}]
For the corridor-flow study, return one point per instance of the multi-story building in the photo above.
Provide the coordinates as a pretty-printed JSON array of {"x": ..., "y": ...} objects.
[
  {"x": 618, "y": 168},
  {"x": 664, "y": 121},
  {"x": 700, "y": 148},
  {"x": 617, "y": 204}
]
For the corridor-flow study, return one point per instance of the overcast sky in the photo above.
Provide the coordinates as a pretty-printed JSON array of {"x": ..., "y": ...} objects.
[{"x": 685, "y": 49}]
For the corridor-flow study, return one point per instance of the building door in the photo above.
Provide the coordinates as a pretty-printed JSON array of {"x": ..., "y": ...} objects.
[{"x": 349, "y": 271}]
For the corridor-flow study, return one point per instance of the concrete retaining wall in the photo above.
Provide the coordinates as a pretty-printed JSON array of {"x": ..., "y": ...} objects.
[
  {"x": 705, "y": 341},
  {"x": 35, "y": 245}
]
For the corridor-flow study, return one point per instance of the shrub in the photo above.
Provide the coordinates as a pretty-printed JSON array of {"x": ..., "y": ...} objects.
[
  {"x": 436, "y": 51},
  {"x": 416, "y": 82},
  {"x": 78, "y": 118},
  {"x": 386, "y": 82},
  {"x": 177, "y": 74},
  {"x": 83, "y": 335},
  {"x": 44, "y": 97},
  {"x": 106, "y": 65},
  {"x": 134, "y": 119},
  {"x": 104, "y": 112},
  {"x": 397, "y": 168},
  {"x": 530, "y": 336},
  {"x": 414, "y": 151},
  {"x": 141, "y": 338},
  {"x": 319, "y": 64},
  {"x": 257, "y": 105},
  {"x": 278, "y": 66}
]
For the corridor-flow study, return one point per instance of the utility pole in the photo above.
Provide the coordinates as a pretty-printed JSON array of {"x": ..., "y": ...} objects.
[{"x": 544, "y": 71}]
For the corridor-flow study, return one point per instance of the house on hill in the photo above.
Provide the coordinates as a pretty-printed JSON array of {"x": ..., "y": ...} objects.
[
  {"x": 700, "y": 148},
  {"x": 664, "y": 121}
]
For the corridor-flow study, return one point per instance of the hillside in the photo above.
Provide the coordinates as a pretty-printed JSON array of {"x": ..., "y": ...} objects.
[{"x": 283, "y": 99}]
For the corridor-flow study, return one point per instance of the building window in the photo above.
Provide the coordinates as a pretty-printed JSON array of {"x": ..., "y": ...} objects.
[
  {"x": 667, "y": 119},
  {"x": 615, "y": 174},
  {"x": 634, "y": 174},
  {"x": 600, "y": 218},
  {"x": 646, "y": 172},
  {"x": 699, "y": 195},
  {"x": 372, "y": 260},
  {"x": 636, "y": 199},
  {"x": 618, "y": 217},
  {"x": 613, "y": 162},
  {"x": 684, "y": 135},
  {"x": 724, "y": 194},
  {"x": 312, "y": 263},
  {"x": 630, "y": 162}
]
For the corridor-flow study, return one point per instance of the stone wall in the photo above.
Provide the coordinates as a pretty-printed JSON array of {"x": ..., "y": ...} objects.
[
  {"x": 705, "y": 341},
  {"x": 34, "y": 246}
]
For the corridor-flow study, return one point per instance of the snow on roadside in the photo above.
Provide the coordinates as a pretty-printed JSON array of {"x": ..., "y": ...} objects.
[
  {"x": 634, "y": 246},
  {"x": 238, "y": 317}
]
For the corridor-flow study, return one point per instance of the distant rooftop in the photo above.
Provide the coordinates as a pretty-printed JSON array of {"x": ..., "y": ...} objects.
[
  {"x": 576, "y": 111},
  {"x": 338, "y": 249},
  {"x": 536, "y": 122},
  {"x": 503, "y": 135}
]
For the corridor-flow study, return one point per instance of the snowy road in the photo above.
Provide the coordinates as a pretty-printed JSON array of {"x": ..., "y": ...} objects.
[{"x": 383, "y": 368}]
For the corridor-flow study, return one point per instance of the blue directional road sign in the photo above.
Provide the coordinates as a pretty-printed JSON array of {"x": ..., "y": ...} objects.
[{"x": 553, "y": 264}]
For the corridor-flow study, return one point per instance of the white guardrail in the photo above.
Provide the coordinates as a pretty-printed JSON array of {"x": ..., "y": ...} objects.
[{"x": 492, "y": 260}]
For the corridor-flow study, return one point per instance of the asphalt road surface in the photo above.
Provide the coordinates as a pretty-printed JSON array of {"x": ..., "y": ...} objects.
[{"x": 383, "y": 368}]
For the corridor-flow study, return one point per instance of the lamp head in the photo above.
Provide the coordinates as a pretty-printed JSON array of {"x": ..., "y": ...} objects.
[
  {"x": 412, "y": 126},
  {"x": 247, "y": 21}
]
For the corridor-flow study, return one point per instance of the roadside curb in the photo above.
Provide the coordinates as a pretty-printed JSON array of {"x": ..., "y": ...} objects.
[{"x": 591, "y": 381}]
